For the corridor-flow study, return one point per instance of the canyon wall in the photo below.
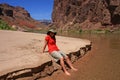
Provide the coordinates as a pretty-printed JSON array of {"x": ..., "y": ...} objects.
[
  {"x": 86, "y": 14},
  {"x": 17, "y": 16}
]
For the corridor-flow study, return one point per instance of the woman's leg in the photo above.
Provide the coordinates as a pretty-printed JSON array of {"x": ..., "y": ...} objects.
[
  {"x": 70, "y": 64},
  {"x": 67, "y": 60},
  {"x": 57, "y": 55},
  {"x": 63, "y": 66}
]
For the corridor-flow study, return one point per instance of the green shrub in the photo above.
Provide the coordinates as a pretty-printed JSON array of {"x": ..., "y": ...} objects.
[
  {"x": 80, "y": 31},
  {"x": 4, "y": 26}
]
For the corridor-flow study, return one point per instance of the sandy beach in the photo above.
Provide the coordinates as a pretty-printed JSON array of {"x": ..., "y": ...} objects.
[{"x": 22, "y": 50}]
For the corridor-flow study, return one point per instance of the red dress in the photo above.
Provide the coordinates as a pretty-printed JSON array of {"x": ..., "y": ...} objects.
[{"x": 51, "y": 44}]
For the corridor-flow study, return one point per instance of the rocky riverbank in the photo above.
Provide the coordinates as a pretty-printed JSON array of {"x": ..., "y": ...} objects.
[{"x": 21, "y": 54}]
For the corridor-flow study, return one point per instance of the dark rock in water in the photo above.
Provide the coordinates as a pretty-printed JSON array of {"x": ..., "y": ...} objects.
[{"x": 69, "y": 14}]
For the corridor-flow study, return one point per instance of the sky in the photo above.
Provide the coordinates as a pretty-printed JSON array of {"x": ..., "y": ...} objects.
[{"x": 38, "y": 9}]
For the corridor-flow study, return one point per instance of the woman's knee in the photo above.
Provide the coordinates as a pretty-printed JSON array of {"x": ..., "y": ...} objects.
[
  {"x": 61, "y": 59},
  {"x": 66, "y": 58}
]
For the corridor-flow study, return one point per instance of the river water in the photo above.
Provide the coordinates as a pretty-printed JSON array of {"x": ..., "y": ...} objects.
[{"x": 101, "y": 63}]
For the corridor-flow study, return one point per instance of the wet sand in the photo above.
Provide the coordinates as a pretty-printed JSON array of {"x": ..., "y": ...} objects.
[{"x": 101, "y": 63}]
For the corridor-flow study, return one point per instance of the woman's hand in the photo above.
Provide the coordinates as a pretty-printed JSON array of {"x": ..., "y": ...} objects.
[{"x": 45, "y": 52}]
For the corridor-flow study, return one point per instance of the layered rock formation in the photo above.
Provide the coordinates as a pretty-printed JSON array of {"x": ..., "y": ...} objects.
[
  {"x": 17, "y": 17},
  {"x": 86, "y": 14}
]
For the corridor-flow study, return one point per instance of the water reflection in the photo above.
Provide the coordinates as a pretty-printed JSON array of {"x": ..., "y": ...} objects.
[
  {"x": 111, "y": 40},
  {"x": 104, "y": 62},
  {"x": 108, "y": 44}
]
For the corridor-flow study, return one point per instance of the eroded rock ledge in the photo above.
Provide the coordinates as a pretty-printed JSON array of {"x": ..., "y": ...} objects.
[{"x": 22, "y": 59}]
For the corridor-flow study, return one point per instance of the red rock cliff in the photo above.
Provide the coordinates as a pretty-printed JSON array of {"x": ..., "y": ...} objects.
[
  {"x": 86, "y": 14},
  {"x": 17, "y": 16}
]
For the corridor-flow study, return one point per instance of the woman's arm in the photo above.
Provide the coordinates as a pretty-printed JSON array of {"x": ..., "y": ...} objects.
[{"x": 45, "y": 44}]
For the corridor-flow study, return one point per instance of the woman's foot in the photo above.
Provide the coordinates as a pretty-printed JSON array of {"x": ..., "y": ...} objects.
[
  {"x": 67, "y": 73},
  {"x": 74, "y": 69}
]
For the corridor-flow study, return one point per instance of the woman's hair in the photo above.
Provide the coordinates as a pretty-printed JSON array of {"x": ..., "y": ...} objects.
[
  {"x": 53, "y": 37},
  {"x": 52, "y": 31}
]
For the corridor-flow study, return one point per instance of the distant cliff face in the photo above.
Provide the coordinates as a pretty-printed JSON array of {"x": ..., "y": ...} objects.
[
  {"x": 86, "y": 14},
  {"x": 17, "y": 16}
]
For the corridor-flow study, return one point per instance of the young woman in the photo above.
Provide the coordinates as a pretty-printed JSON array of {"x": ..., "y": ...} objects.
[{"x": 50, "y": 40}]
